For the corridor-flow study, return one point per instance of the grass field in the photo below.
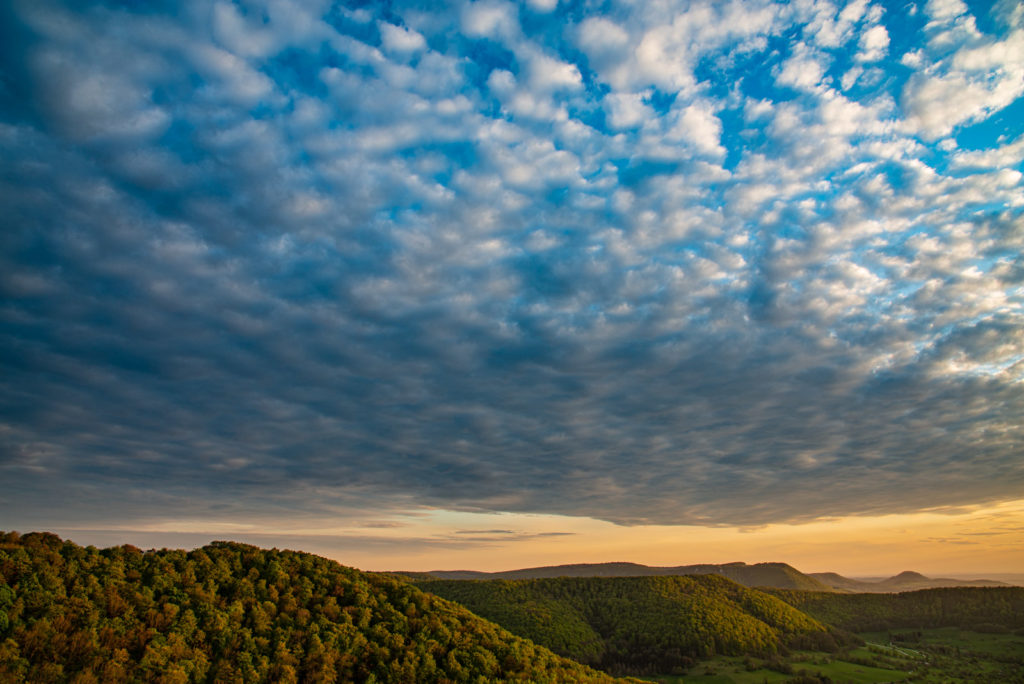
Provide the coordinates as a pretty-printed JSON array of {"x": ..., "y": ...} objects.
[
  {"x": 951, "y": 654},
  {"x": 925, "y": 656},
  {"x": 999, "y": 646},
  {"x": 736, "y": 671}
]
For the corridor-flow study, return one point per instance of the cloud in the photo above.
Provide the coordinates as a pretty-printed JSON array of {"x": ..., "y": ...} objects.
[
  {"x": 490, "y": 19},
  {"x": 543, "y": 5},
  {"x": 401, "y": 39},
  {"x": 627, "y": 110},
  {"x": 698, "y": 125},
  {"x": 548, "y": 73},
  {"x": 944, "y": 9},
  {"x": 982, "y": 76},
  {"x": 803, "y": 70},
  {"x": 873, "y": 44},
  {"x": 648, "y": 266}
]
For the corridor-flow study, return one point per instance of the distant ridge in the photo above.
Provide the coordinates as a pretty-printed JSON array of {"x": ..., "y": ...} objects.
[
  {"x": 775, "y": 575},
  {"x": 908, "y": 580},
  {"x": 772, "y": 575}
]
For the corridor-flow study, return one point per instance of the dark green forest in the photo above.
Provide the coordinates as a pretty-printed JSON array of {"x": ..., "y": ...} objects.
[
  {"x": 975, "y": 608},
  {"x": 641, "y": 625},
  {"x": 235, "y": 613}
]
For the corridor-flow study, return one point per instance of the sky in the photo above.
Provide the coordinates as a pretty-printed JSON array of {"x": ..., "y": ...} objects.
[{"x": 489, "y": 285}]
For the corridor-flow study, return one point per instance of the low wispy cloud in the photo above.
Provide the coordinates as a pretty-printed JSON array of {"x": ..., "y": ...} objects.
[{"x": 702, "y": 263}]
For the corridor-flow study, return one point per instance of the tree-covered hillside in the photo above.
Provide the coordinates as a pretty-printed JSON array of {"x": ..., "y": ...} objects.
[
  {"x": 235, "y": 613},
  {"x": 640, "y": 625},
  {"x": 778, "y": 575},
  {"x": 965, "y": 607}
]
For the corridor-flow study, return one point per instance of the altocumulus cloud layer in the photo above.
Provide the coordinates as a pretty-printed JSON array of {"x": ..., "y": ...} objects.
[{"x": 672, "y": 262}]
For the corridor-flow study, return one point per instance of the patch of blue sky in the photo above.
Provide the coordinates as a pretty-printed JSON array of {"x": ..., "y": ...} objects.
[
  {"x": 1001, "y": 127},
  {"x": 735, "y": 138},
  {"x": 484, "y": 56},
  {"x": 593, "y": 114},
  {"x": 356, "y": 19},
  {"x": 299, "y": 69},
  {"x": 904, "y": 22},
  {"x": 754, "y": 72},
  {"x": 635, "y": 172},
  {"x": 989, "y": 16},
  {"x": 553, "y": 28},
  {"x": 660, "y": 101}
]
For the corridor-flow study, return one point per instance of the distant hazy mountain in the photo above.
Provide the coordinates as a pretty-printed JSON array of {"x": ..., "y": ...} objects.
[
  {"x": 905, "y": 581},
  {"x": 777, "y": 575},
  {"x": 774, "y": 575}
]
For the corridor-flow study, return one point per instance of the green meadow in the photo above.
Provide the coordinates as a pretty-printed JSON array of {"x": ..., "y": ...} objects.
[
  {"x": 945, "y": 655},
  {"x": 751, "y": 671}
]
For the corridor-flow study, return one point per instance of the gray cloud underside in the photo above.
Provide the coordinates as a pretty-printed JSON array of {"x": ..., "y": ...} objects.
[{"x": 227, "y": 290}]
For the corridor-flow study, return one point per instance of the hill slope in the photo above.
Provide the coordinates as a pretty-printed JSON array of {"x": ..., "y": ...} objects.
[
  {"x": 778, "y": 575},
  {"x": 640, "y": 625},
  {"x": 965, "y": 607},
  {"x": 231, "y": 612},
  {"x": 905, "y": 581}
]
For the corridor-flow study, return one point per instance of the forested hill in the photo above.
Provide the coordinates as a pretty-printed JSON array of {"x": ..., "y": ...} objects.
[
  {"x": 982, "y": 608},
  {"x": 639, "y": 625},
  {"x": 777, "y": 575},
  {"x": 236, "y": 613}
]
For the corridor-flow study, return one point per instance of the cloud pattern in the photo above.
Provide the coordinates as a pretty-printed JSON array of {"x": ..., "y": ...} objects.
[{"x": 676, "y": 262}]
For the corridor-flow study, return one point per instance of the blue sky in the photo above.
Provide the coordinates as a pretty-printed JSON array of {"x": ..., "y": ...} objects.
[{"x": 672, "y": 263}]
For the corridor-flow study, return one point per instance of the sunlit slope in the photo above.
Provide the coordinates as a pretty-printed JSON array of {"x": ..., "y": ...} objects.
[
  {"x": 638, "y": 624},
  {"x": 236, "y": 613}
]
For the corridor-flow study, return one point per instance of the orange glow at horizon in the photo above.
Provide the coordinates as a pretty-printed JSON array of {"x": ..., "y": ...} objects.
[
  {"x": 965, "y": 542},
  {"x": 988, "y": 538}
]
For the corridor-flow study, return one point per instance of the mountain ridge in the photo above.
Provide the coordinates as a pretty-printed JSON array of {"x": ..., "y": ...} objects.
[{"x": 772, "y": 574}]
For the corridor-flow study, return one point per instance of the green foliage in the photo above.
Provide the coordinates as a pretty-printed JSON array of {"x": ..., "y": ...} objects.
[
  {"x": 990, "y": 608},
  {"x": 235, "y": 613},
  {"x": 640, "y": 625}
]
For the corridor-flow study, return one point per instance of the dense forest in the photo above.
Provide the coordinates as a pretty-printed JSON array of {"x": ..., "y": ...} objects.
[
  {"x": 234, "y": 613},
  {"x": 780, "y": 575},
  {"x": 640, "y": 625},
  {"x": 976, "y": 608}
]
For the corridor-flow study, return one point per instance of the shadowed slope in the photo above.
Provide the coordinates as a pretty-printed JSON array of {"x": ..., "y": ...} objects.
[{"x": 965, "y": 607}]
